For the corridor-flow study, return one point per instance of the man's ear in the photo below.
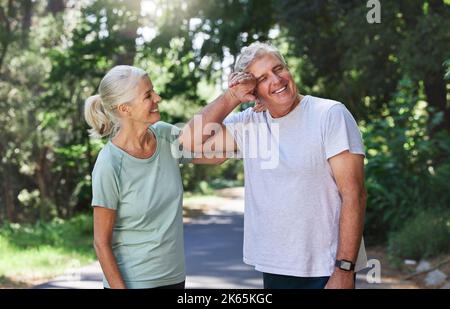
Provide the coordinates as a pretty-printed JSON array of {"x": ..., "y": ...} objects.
[{"x": 257, "y": 96}]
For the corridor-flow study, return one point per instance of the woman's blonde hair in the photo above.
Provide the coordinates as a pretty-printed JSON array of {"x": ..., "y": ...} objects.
[{"x": 117, "y": 87}]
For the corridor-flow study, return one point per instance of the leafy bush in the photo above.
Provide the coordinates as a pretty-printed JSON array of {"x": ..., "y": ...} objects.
[
  {"x": 425, "y": 235},
  {"x": 407, "y": 170},
  {"x": 44, "y": 249},
  {"x": 204, "y": 178},
  {"x": 72, "y": 234}
]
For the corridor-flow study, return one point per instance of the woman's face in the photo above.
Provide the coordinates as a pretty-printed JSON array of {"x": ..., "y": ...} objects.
[{"x": 144, "y": 108}]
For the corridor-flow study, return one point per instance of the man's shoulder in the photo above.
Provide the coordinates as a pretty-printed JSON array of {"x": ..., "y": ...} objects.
[
  {"x": 322, "y": 105},
  {"x": 246, "y": 116}
]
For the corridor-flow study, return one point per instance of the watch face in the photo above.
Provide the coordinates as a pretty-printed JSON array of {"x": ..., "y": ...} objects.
[{"x": 346, "y": 265}]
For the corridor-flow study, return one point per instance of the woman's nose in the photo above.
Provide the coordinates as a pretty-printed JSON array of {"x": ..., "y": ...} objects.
[{"x": 157, "y": 98}]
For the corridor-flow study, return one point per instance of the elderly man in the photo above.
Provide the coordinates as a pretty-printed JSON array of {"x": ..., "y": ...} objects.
[{"x": 304, "y": 215}]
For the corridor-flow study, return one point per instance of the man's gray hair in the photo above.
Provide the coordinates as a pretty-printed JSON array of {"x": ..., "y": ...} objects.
[{"x": 254, "y": 51}]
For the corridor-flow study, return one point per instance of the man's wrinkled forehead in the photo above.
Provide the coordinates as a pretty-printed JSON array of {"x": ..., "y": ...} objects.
[{"x": 263, "y": 63}]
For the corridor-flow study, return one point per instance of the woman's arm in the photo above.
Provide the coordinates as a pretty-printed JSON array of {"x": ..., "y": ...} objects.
[
  {"x": 209, "y": 161},
  {"x": 205, "y": 132},
  {"x": 104, "y": 219}
]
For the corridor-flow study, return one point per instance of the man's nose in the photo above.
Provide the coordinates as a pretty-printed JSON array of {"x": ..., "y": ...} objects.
[{"x": 275, "y": 78}]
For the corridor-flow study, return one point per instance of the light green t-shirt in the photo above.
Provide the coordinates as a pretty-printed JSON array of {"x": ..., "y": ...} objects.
[{"x": 147, "y": 196}]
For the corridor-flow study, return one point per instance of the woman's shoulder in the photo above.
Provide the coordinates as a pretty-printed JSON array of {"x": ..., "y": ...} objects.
[
  {"x": 166, "y": 130},
  {"x": 108, "y": 160}
]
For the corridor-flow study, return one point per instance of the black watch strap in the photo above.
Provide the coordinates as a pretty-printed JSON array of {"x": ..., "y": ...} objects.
[{"x": 345, "y": 265}]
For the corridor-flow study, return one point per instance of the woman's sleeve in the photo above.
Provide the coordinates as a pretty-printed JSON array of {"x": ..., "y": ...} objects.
[{"x": 105, "y": 186}]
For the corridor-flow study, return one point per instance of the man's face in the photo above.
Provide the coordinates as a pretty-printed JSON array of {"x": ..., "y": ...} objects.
[{"x": 275, "y": 86}]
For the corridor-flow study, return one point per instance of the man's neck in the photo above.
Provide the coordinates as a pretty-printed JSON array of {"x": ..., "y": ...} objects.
[{"x": 278, "y": 114}]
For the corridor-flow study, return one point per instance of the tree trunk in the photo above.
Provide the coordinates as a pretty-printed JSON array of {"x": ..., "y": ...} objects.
[
  {"x": 436, "y": 92},
  {"x": 56, "y": 6},
  {"x": 43, "y": 183},
  {"x": 6, "y": 27},
  {"x": 129, "y": 34},
  {"x": 8, "y": 201},
  {"x": 26, "y": 20}
]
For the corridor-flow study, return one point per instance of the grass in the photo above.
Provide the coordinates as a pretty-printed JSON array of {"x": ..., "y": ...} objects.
[
  {"x": 425, "y": 235},
  {"x": 32, "y": 253}
]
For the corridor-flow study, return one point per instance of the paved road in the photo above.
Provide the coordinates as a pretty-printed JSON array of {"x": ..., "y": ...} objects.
[{"x": 213, "y": 244}]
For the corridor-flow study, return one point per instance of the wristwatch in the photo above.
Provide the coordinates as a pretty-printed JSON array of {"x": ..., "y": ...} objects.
[{"x": 345, "y": 265}]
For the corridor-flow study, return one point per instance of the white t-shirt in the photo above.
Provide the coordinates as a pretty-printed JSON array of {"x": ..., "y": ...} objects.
[{"x": 292, "y": 202}]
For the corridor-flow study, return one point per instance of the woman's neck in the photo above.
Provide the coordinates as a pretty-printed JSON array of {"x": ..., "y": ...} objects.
[{"x": 136, "y": 140}]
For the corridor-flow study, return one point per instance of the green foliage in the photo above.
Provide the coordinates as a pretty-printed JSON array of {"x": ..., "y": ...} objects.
[
  {"x": 390, "y": 75},
  {"x": 204, "y": 178},
  {"x": 45, "y": 249},
  {"x": 423, "y": 236},
  {"x": 72, "y": 233},
  {"x": 406, "y": 169},
  {"x": 349, "y": 59},
  {"x": 447, "y": 65},
  {"x": 45, "y": 145}
]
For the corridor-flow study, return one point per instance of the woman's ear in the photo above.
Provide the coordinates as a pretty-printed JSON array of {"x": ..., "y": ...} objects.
[{"x": 123, "y": 109}]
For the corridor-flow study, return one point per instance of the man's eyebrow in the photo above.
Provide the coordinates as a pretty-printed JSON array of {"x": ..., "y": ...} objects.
[
  {"x": 275, "y": 67},
  {"x": 149, "y": 91},
  {"x": 278, "y": 66},
  {"x": 258, "y": 78}
]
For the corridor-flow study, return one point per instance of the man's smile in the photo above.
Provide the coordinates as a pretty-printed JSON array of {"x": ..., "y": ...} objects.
[{"x": 280, "y": 90}]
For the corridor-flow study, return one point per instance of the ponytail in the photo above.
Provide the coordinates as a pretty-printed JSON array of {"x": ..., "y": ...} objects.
[{"x": 100, "y": 122}]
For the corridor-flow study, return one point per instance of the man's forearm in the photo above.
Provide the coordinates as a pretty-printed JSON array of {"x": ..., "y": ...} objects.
[
  {"x": 351, "y": 227},
  {"x": 215, "y": 112}
]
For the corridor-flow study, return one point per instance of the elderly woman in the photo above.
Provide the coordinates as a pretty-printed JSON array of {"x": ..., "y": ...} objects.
[{"x": 136, "y": 185}]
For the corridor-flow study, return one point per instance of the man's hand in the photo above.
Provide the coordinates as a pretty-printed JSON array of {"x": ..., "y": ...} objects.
[
  {"x": 241, "y": 86},
  {"x": 259, "y": 107},
  {"x": 341, "y": 279}
]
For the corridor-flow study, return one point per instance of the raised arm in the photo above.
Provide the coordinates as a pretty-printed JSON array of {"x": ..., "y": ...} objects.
[
  {"x": 104, "y": 219},
  {"x": 205, "y": 132}
]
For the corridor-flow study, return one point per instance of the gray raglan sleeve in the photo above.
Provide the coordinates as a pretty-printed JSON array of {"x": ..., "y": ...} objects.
[
  {"x": 105, "y": 186},
  {"x": 177, "y": 149}
]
